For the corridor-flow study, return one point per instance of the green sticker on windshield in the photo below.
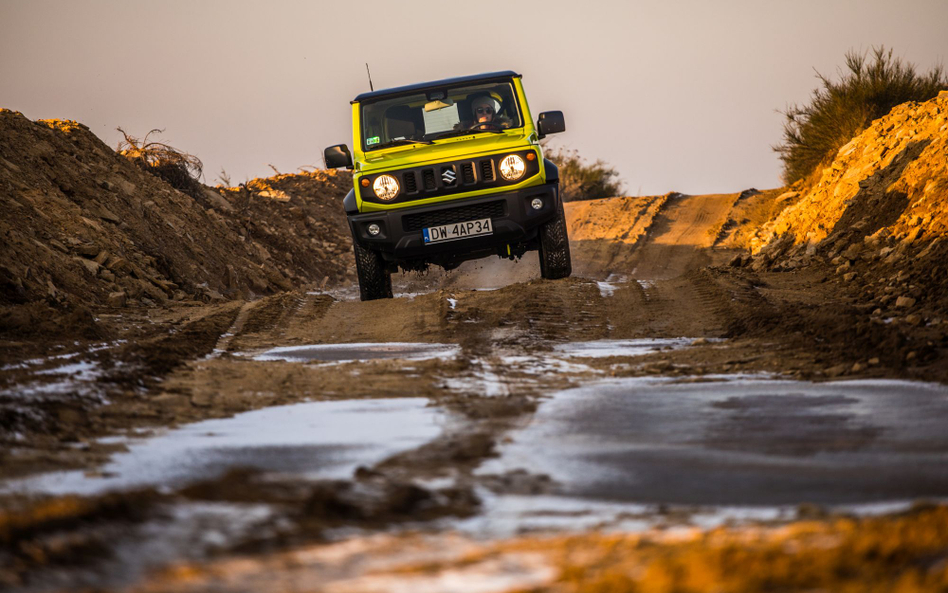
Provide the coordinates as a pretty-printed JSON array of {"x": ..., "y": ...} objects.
[{"x": 372, "y": 140}]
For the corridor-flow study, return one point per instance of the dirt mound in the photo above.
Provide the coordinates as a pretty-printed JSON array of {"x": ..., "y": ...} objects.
[
  {"x": 890, "y": 181},
  {"x": 603, "y": 233},
  {"x": 299, "y": 220},
  {"x": 623, "y": 220},
  {"x": 750, "y": 213},
  {"x": 84, "y": 226},
  {"x": 878, "y": 215}
]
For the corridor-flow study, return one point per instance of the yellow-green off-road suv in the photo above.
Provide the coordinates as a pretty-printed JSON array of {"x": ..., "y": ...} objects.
[{"x": 448, "y": 171}]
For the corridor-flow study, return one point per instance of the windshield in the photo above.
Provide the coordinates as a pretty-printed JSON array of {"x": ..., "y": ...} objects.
[{"x": 440, "y": 113}]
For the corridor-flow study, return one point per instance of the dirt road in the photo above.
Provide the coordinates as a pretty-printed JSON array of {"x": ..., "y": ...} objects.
[{"x": 647, "y": 392}]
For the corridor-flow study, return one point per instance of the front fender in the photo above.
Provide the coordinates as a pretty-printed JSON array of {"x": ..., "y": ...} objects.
[
  {"x": 349, "y": 203},
  {"x": 551, "y": 170}
]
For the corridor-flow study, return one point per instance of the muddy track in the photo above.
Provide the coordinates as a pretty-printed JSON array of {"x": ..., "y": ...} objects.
[{"x": 499, "y": 353}]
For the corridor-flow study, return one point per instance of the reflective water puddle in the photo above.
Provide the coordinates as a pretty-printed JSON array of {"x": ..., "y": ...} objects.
[
  {"x": 360, "y": 351},
  {"x": 605, "y": 348},
  {"x": 740, "y": 448},
  {"x": 315, "y": 440}
]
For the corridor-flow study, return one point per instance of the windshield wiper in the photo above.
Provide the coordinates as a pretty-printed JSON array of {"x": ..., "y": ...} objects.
[
  {"x": 400, "y": 141},
  {"x": 454, "y": 133}
]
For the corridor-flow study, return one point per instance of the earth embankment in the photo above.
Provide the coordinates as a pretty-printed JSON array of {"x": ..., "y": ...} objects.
[{"x": 85, "y": 227}]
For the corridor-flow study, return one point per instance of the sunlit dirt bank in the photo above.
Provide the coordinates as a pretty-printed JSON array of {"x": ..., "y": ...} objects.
[{"x": 734, "y": 392}]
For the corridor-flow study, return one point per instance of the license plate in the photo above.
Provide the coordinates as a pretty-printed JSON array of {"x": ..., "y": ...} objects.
[{"x": 458, "y": 230}]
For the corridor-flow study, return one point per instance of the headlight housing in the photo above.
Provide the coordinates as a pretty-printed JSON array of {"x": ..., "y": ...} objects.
[
  {"x": 512, "y": 167},
  {"x": 385, "y": 187}
]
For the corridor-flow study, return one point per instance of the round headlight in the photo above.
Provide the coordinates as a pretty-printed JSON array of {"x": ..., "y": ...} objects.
[
  {"x": 385, "y": 186},
  {"x": 512, "y": 167}
]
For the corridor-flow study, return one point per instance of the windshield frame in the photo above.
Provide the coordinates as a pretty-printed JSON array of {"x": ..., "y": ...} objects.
[{"x": 446, "y": 88}]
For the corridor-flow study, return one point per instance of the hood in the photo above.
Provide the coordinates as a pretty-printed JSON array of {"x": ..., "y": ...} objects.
[{"x": 444, "y": 150}]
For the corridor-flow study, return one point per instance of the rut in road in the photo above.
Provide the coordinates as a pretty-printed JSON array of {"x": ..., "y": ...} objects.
[{"x": 664, "y": 293}]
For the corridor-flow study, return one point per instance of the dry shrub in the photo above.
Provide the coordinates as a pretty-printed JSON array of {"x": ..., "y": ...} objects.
[
  {"x": 581, "y": 180},
  {"x": 839, "y": 111},
  {"x": 179, "y": 169}
]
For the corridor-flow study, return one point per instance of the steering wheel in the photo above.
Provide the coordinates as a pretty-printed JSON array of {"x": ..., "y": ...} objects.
[{"x": 492, "y": 124}]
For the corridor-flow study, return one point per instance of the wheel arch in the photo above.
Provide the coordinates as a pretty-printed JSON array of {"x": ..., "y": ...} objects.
[
  {"x": 551, "y": 170},
  {"x": 349, "y": 203}
]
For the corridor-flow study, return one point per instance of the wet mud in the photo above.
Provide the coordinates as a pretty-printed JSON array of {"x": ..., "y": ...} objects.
[{"x": 323, "y": 440}]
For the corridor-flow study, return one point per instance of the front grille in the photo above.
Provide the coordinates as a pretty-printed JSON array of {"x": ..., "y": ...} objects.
[
  {"x": 422, "y": 220},
  {"x": 411, "y": 184},
  {"x": 429, "y": 181},
  {"x": 467, "y": 173}
]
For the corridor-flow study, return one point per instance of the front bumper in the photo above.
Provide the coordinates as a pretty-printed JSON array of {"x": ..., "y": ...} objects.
[{"x": 514, "y": 220}]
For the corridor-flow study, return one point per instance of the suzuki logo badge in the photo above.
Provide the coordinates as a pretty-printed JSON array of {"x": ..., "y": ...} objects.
[{"x": 448, "y": 176}]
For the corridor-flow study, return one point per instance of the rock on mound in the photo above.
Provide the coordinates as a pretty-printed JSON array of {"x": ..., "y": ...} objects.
[
  {"x": 888, "y": 184},
  {"x": 85, "y": 226},
  {"x": 879, "y": 213}
]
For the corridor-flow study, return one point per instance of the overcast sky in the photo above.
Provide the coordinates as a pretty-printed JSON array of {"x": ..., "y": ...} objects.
[{"x": 676, "y": 95}]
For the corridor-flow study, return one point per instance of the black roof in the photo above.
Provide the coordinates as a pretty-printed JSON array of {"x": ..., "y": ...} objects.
[{"x": 412, "y": 88}]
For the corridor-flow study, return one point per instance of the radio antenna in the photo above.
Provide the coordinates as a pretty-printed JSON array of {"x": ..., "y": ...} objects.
[{"x": 371, "y": 88}]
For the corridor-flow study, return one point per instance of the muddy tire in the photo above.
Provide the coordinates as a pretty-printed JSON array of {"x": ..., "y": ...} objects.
[
  {"x": 554, "y": 248},
  {"x": 374, "y": 281}
]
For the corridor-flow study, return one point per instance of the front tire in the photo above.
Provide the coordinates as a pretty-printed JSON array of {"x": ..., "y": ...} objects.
[
  {"x": 555, "y": 259},
  {"x": 374, "y": 281}
]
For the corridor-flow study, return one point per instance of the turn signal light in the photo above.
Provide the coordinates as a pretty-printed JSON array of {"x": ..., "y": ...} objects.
[
  {"x": 365, "y": 182},
  {"x": 531, "y": 156}
]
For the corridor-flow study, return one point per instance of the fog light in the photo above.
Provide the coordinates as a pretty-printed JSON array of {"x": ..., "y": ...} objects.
[
  {"x": 537, "y": 203},
  {"x": 374, "y": 229}
]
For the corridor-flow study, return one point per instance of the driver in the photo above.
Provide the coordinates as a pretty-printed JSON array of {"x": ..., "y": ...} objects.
[{"x": 486, "y": 111}]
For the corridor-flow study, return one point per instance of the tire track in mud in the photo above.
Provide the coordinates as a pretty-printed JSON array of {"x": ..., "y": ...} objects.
[
  {"x": 224, "y": 341},
  {"x": 561, "y": 312},
  {"x": 665, "y": 294},
  {"x": 680, "y": 237},
  {"x": 258, "y": 317},
  {"x": 691, "y": 306}
]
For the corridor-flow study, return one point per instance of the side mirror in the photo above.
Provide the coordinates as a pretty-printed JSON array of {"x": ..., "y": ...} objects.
[
  {"x": 337, "y": 156},
  {"x": 550, "y": 122}
]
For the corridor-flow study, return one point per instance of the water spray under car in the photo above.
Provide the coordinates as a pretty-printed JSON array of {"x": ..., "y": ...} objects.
[{"x": 449, "y": 171}]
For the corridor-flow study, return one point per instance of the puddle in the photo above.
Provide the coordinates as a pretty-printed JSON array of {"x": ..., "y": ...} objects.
[
  {"x": 606, "y": 289},
  {"x": 76, "y": 379},
  {"x": 316, "y": 440},
  {"x": 485, "y": 381},
  {"x": 605, "y": 348},
  {"x": 57, "y": 375},
  {"x": 542, "y": 365},
  {"x": 509, "y": 516},
  {"x": 348, "y": 292},
  {"x": 732, "y": 449},
  {"x": 360, "y": 351}
]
